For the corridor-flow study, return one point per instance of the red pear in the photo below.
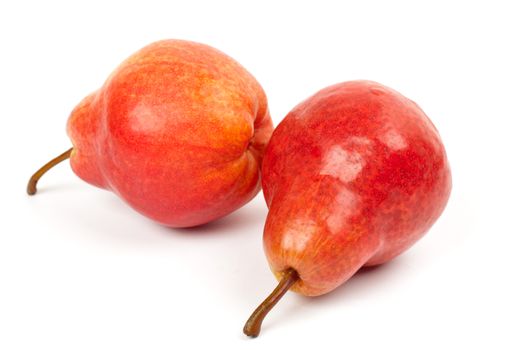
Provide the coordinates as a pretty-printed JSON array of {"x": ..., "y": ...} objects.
[
  {"x": 353, "y": 176},
  {"x": 177, "y": 131}
]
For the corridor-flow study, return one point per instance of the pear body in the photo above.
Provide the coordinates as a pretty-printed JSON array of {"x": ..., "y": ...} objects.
[
  {"x": 353, "y": 176},
  {"x": 177, "y": 131}
]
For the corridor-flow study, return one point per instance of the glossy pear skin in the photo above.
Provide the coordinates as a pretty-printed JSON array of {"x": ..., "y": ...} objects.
[
  {"x": 177, "y": 131},
  {"x": 353, "y": 176}
]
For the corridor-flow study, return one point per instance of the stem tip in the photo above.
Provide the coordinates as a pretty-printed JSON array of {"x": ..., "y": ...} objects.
[
  {"x": 252, "y": 328},
  {"x": 31, "y": 185}
]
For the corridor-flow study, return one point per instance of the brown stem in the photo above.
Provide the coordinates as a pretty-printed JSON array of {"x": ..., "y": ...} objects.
[
  {"x": 252, "y": 328},
  {"x": 31, "y": 185}
]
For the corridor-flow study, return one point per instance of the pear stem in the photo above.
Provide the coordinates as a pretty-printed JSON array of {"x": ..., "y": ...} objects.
[
  {"x": 252, "y": 328},
  {"x": 31, "y": 185}
]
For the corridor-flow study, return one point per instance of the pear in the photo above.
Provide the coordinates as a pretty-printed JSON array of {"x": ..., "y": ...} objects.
[
  {"x": 353, "y": 176},
  {"x": 177, "y": 131}
]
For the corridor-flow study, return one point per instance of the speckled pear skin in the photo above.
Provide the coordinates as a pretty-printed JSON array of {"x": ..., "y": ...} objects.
[
  {"x": 353, "y": 176},
  {"x": 177, "y": 131}
]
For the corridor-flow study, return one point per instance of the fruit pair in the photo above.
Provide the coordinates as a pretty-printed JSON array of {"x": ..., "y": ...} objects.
[{"x": 353, "y": 176}]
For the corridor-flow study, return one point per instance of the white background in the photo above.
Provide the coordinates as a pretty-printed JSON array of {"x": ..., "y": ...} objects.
[{"x": 80, "y": 270}]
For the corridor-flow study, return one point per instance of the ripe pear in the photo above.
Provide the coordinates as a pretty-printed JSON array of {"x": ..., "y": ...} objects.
[
  {"x": 177, "y": 131},
  {"x": 353, "y": 176}
]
